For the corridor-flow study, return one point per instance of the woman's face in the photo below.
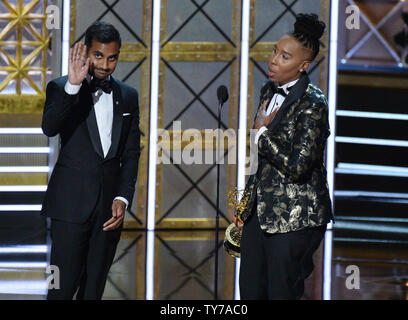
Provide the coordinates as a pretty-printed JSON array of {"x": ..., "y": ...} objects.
[{"x": 288, "y": 60}]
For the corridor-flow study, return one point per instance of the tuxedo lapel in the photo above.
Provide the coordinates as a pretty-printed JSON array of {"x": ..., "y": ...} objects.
[
  {"x": 91, "y": 119},
  {"x": 117, "y": 119},
  {"x": 295, "y": 93},
  {"x": 270, "y": 90}
]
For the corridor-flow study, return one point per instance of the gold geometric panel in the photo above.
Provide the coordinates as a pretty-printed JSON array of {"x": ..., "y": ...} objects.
[{"x": 24, "y": 47}]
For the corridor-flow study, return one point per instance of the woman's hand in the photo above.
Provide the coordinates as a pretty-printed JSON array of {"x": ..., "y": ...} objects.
[
  {"x": 262, "y": 119},
  {"x": 237, "y": 222}
]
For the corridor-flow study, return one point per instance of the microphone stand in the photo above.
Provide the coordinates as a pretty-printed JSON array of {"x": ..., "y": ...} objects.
[{"x": 217, "y": 216}]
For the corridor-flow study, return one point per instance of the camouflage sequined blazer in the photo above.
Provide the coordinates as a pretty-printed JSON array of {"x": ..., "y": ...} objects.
[{"x": 290, "y": 188}]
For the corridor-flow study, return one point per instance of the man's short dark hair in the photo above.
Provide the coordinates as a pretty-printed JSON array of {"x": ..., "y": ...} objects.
[{"x": 102, "y": 32}]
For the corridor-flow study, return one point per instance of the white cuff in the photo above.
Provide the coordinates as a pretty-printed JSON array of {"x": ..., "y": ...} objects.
[
  {"x": 258, "y": 134},
  {"x": 122, "y": 199},
  {"x": 72, "y": 89}
]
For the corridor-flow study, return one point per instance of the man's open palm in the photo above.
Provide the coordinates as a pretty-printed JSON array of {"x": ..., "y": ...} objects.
[{"x": 78, "y": 64}]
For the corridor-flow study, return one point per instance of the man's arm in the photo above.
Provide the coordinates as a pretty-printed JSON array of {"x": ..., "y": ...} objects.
[
  {"x": 58, "y": 106},
  {"x": 130, "y": 158},
  {"x": 128, "y": 172},
  {"x": 59, "y": 101}
]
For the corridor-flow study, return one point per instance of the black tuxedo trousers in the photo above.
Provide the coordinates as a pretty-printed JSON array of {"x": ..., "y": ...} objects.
[
  {"x": 275, "y": 266},
  {"x": 83, "y": 253}
]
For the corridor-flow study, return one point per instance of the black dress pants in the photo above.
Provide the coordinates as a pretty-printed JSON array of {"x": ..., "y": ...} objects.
[
  {"x": 84, "y": 254},
  {"x": 274, "y": 266}
]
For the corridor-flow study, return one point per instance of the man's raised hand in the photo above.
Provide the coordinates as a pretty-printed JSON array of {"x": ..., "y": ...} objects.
[{"x": 78, "y": 64}]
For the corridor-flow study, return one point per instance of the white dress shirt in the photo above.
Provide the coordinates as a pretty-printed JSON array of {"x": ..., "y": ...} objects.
[
  {"x": 276, "y": 102},
  {"x": 103, "y": 105}
]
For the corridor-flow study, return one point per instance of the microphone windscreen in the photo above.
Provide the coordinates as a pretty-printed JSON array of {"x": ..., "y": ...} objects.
[{"x": 222, "y": 94}]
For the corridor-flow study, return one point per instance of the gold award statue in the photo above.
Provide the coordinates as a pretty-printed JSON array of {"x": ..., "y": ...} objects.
[{"x": 232, "y": 241}]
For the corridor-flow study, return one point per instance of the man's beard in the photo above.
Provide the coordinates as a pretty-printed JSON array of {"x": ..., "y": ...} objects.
[{"x": 105, "y": 74}]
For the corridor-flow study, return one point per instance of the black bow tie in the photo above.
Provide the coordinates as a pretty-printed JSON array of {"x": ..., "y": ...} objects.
[
  {"x": 105, "y": 85},
  {"x": 282, "y": 92}
]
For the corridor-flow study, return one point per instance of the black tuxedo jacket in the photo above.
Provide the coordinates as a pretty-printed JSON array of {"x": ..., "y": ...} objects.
[{"x": 82, "y": 173}]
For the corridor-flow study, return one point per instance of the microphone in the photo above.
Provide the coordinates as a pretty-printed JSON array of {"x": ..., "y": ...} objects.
[{"x": 222, "y": 94}]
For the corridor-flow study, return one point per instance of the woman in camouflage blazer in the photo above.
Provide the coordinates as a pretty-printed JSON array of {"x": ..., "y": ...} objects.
[
  {"x": 289, "y": 204},
  {"x": 290, "y": 185}
]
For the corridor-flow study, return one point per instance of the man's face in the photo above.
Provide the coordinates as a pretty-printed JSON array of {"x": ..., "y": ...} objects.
[{"x": 103, "y": 58}]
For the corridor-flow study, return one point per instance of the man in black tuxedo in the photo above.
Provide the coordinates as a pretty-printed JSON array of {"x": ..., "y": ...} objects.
[{"x": 93, "y": 181}]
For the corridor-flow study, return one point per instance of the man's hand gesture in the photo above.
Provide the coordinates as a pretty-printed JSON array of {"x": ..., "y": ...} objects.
[
  {"x": 118, "y": 214},
  {"x": 78, "y": 64}
]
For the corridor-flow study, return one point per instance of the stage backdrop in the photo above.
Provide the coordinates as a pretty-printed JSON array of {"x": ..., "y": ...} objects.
[{"x": 200, "y": 49}]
